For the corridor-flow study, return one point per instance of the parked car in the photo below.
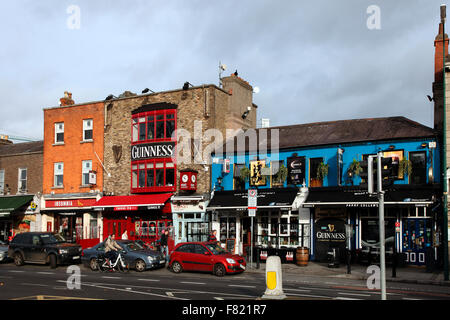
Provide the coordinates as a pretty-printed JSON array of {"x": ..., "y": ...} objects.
[
  {"x": 134, "y": 254},
  {"x": 3, "y": 251},
  {"x": 43, "y": 247},
  {"x": 205, "y": 256}
]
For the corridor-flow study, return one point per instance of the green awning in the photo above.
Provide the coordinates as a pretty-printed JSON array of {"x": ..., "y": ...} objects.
[{"x": 9, "y": 204}]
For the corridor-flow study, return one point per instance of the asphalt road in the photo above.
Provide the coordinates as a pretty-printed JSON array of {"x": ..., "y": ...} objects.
[{"x": 38, "y": 282}]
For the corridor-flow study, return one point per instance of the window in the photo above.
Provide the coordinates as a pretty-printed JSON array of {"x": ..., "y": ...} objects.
[
  {"x": 313, "y": 166},
  {"x": 86, "y": 166},
  {"x": 153, "y": 125},
  {"x": 153, "y": 175},
  {"x": 2, "y": 181},
  {"x": 58, "y": 174},
  {"x": 22, "y": 185},
  {"x": 59, "y": 132},
  {"x": 238, "y": 182},
  {"x": 87, "y": 129},
  {"x": 419, "y": 168}
]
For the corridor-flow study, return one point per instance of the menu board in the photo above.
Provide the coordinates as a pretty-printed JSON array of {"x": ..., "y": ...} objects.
[{"x": 230, "y": 245}]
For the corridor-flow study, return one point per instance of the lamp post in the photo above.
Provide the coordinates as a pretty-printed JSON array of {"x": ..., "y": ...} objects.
[{"x": 444, "y": 167}]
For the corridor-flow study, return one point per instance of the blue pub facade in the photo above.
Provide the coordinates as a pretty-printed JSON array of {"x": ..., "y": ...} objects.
[{"x": 310, "y": 193}]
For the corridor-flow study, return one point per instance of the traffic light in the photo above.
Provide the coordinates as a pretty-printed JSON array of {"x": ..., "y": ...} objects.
[
  {"x": 367, "y": 174},
  {"x": 369, "y": 178}
]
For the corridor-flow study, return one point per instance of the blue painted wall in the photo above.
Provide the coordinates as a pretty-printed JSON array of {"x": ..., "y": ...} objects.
[{"x": 329, "y": 154}]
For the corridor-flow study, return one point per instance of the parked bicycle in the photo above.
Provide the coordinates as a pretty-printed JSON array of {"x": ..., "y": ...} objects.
[{"x": 104, "y": 264}]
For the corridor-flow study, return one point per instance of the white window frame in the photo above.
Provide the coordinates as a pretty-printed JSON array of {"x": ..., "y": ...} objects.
[
  {"x": 87, "y": 127},
  {"x": 59, "y": 130},
  {"x": 20, "y": 182},
  {"x": 2, "y": 181},
  {"x": 58, "y": 172},
  {"x": 86, "y": 167}
]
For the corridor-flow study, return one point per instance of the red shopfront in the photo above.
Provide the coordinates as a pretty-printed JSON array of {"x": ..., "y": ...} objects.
[
  {"x": 143, "y": 217},
  {"x": 69, "y": 219}
]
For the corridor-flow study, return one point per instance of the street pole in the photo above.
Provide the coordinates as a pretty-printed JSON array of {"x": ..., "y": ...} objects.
[
  {"x": 381, "y": 227},
  {"x": 251, "y": 247},
  {"x": 444, "y": 167}
]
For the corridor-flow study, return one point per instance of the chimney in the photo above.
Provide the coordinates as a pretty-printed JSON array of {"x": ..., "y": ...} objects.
[
  {"x": 5, "y": 140},
  {"x": 66, "y": 100},
  {"x": 241, "y": 109},
  {"x": 438, "y": 94},
  {"x": 438, "y": 61}
]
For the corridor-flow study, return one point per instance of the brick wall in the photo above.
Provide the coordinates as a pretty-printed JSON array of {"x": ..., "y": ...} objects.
[{"x": 73, "y": 151}]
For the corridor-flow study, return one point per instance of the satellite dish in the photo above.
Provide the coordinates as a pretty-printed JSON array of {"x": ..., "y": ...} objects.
[{"x": 256, "y": 90}]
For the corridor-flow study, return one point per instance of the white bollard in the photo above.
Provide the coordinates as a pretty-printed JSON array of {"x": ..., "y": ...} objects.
[{"x": 274, "y": 279}]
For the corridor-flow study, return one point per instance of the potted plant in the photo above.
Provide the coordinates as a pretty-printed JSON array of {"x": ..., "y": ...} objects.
[
  {"x": 405, "y": 167},
  {"x": 244, "y": 173},
  {"x": 355, "y": 168},
  {"x": 279, "y": 177},
  {"x": 322, "y": 171}
]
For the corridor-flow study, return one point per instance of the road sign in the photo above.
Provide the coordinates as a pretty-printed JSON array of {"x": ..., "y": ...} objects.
[{"x": 252, "y": 198}]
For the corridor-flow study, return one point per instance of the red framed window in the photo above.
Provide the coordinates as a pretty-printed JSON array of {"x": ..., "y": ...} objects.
[
  {"x": 158, "y": 174},
  {"x": 152, "y": 126}
]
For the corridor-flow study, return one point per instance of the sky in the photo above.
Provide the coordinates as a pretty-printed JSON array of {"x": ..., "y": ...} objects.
[{"x": 312, "y": 61}]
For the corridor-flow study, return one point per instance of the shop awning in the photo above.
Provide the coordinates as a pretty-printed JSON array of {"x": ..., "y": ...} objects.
[
  {"x": 357, "y": 197},
  {"x": 151, "y": 201},
  {"x": 11, "y": 203},
  {"x": 267, "y": 199}
]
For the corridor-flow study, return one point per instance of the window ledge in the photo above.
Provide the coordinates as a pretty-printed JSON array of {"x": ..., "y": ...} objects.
[
  {"x": 58, "y": 144},
  {"x": 87, "y": 141},
  {"x": 87, "y": 186},
  {"x": 61, "y": 187}
]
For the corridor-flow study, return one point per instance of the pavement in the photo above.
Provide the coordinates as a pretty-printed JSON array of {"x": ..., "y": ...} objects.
[{"x": 407, "y": 274}]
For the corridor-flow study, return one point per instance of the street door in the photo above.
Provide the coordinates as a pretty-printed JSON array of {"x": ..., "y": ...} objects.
[
  {"x": 114, "y": 226},
  {"x": 417, "y": 238}
]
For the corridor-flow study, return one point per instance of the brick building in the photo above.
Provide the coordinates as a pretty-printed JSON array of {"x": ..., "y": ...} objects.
[
  {"x": 20, "y": 187},
  {"x": 147, "y": 187},
  {"x": 72, "y": 170}
]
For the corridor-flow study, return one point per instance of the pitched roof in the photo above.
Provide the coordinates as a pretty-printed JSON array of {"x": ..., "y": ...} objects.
[
  {"x": 336, "y": 132},
  {"x": 21, "y": 148}
]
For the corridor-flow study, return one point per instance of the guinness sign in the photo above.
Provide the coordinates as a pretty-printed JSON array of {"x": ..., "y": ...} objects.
[{"x": 152, "y": 151}]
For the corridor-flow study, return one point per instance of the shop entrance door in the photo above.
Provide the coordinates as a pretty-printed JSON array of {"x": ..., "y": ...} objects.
[
  {"x": 246, "y": 236},
  {"x": 114, "y": 226},
  {"x": 417, "y": 238}
]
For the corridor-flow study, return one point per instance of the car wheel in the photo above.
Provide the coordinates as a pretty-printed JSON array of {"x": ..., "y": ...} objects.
[
  {"x": 52, "y": 261},
  {"x": 93, "y": 264},
  {"x": 18, "y": 259},
  {"x": 219, "y": 270},
  {"x": 140, "y": 265},
  {"x": 177, "y": 267}
]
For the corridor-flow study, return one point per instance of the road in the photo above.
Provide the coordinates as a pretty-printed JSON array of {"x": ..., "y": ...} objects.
[{"x": 40, "y": 282}]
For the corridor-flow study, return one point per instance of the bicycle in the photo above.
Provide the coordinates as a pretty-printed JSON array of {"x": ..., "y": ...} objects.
[{"x": 105, "y": 264}]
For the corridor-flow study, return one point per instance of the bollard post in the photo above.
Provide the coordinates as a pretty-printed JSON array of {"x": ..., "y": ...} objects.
[
  {"x": 274, "y": 279},
  {"x": 258, "y": 253},
  {"x": 349, "y": 260}
]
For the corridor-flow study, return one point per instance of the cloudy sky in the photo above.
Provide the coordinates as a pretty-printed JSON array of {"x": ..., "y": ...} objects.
[{"x": 312, "y": 60}]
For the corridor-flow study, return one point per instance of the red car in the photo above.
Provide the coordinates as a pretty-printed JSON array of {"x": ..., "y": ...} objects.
[{"x": 205, "y": 256}]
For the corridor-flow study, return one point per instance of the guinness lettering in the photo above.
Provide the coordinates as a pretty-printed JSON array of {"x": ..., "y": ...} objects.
[
  {"x": 330, "y": 236},
  {"x": 154, "y": 150}
]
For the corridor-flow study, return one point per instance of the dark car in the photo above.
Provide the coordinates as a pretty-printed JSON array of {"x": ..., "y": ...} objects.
[
  {"x": 205, "y": 256},
  {"x": 43, "y": 247},
  {"x": 134, "y": 254}
]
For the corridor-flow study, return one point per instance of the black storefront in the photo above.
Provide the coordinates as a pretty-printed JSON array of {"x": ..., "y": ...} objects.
[
  {"x": 347, "y": 217},
  {"x": 277, "y": 225}
]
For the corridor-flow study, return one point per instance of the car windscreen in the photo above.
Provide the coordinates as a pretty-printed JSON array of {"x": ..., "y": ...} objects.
[
  {"x": 52, "y": 238},
  {"x": 134, "y": 246},
  {"x": 216, "y": 249}
]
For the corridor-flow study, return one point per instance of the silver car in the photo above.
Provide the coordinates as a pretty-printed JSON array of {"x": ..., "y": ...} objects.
[{"x": 3, "y": 251}]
